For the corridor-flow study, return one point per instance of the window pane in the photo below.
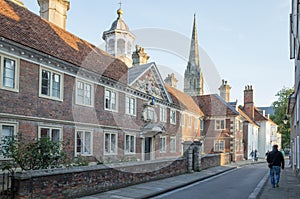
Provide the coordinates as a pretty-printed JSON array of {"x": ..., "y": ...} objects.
[
  {"x": 113, "y": 101},
  {"x": 46, "y": 82},
  {"x": 132, "y": 106},
  {"x": 132, "y": 144},
  {"x": 113, "y": 143},
  {"x": 87, "y": 148},
  {"x": 88, "y": 94},
  {"x": 55, "y": 135},
  {"x": 107, "y": 143},
  {"x": 9, "y": 73},
  {"x": 127, "y": 105},
  {"x": 56, "y": 85},
  {"x": 79, "y": 142},
  {"x": 107, "y": 99},
  {"x": 45, "y": 133},
  {"x": 127, "y": 143},
  {"x": 80, "y": 92},
  {"x": 222, "y": 124},
  {"x": 7, "y": 131}
]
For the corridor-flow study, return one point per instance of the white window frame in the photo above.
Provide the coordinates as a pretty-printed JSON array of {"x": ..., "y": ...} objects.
[
  {"x": 130, "y": 144},
  {"x": 201, "y": 124},
  {"x": 117, "y": 100},
  {"x": 162, "y": 144},
  {"x": 219, "y": 126},
  {"x": 220, "y": 147},
  {"x": 50, "y": 131},
  {"x": 129, "y": 108},
  {"x": 84, "y": 132},
  {"x": 4, "y": 123},
  {"x": 61, "y": 86},
  {"x": 172, "y": 118},
  {"x": 16, "y": 73},
  {"x": 173, "y": 144},
  {"x": 110, "y": 152},
  {"x": 84, "y": 103},
  {"x": 163, "y": 114}
]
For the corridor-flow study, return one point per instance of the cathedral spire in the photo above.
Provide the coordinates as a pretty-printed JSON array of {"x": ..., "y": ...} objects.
[
  {"x": 193, "y": 78},
  {"x": 194, "y": 50}
]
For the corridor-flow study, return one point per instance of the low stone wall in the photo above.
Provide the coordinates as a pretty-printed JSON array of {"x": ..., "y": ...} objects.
[
  {"x": 81, "y": 181},
  {"x": 213, "y": 160}
]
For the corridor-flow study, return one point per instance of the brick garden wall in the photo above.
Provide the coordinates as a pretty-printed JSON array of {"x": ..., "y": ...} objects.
[
  {"x": 81, "y": 181},
  {"x": 213, "y": 160}
]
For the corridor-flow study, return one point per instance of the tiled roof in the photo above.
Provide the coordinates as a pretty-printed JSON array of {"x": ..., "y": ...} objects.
[
  {"x": 260, "y": 117},
  {"x": 24, "y": 27},
  {"x": 183, "y": 100},
  {"x": 242, "y": 113},
  {"x": 214, "y": 105}
]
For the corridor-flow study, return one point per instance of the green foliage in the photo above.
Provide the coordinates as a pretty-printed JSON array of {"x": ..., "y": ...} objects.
[
  {"x": 280, "y": 107},
  {"x": 32, "y": 154},
  {"x": 81, "y": 161}
]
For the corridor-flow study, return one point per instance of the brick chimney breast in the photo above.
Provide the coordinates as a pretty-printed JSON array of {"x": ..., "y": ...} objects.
[{"x": 248, "y": 101}]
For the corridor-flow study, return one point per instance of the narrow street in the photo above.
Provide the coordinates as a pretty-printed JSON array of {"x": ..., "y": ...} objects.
[{"x": 236, "y": 184}]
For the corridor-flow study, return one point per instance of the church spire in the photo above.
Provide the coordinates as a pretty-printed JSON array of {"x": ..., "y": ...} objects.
[
  {"x": 194, "y": 50},
  {"x": 193, "y": 78}
]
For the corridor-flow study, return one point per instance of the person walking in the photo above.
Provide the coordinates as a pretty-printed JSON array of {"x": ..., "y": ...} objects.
[{"x": 275, "y": 161}]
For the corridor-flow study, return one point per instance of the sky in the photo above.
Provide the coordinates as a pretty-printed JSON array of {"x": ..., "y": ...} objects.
[{"x": 243, "y": 42}]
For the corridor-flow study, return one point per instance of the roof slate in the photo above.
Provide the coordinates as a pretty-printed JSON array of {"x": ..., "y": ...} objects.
[
  {"x": 20, "y": 25},
  {"x": 136, "y": 71},
  {"x": 214, "y": 105},
  {"x": 183, "y": 100}
]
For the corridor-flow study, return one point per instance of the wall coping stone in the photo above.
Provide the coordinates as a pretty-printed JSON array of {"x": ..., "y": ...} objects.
[{"x": 57, "y": 171}]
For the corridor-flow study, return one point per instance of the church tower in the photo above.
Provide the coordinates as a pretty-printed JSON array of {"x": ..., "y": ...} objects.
[
  {"x": 193, "y": 78},
  {"x": 119, "y": 40}
]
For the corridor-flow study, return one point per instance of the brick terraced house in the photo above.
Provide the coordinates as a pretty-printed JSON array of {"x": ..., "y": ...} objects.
[
  {"x": 55, "y": 84},
  {"x": 222, "y": 126}
]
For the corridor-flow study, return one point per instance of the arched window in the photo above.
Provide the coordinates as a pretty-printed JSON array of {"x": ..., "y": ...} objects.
[
  {"x": 121, "y": 47},
  {"x": 111, "y": 47}
]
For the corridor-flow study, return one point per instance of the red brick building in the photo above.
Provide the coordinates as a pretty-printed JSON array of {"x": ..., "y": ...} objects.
[
  {"x": 223, "y": 126},
  {"x": 57, "y": 85}
]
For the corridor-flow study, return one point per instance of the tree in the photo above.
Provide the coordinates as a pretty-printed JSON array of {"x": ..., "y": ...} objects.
[{"x": 280, "y": 113}]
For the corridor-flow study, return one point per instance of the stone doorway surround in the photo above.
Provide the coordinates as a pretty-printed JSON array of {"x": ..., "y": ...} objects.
[{"x": 148, "y": 133}]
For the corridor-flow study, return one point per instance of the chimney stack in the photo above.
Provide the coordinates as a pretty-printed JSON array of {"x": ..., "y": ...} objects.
[
  {"x": 225, "y": 91},
  {"x": 248, "y": 101},
  {"x": 171, "y": 80},
  {"x": 18, "y": 2},
  {"x": 55, "y": 11},
  {"x": 139, "y": 56}
]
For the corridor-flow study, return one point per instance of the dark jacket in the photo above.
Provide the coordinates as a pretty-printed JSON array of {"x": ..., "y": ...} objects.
[{"x": 276, "y": 158}]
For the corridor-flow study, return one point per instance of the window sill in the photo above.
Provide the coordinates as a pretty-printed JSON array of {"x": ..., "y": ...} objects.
[{"x": 51, "y": 98}]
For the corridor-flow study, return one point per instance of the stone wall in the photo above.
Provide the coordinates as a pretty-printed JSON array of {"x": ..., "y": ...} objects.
[
  {"x": 81, "y": 181},
  {"x": 213, "y": 160}
]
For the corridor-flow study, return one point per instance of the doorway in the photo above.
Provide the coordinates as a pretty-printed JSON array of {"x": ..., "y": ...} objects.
[{"x": 148, "y": 148}]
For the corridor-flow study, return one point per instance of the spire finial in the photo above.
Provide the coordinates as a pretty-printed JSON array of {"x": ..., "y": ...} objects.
[
  {"x": 120, "y": 4},
  {"x": 120, "y": 11}
]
